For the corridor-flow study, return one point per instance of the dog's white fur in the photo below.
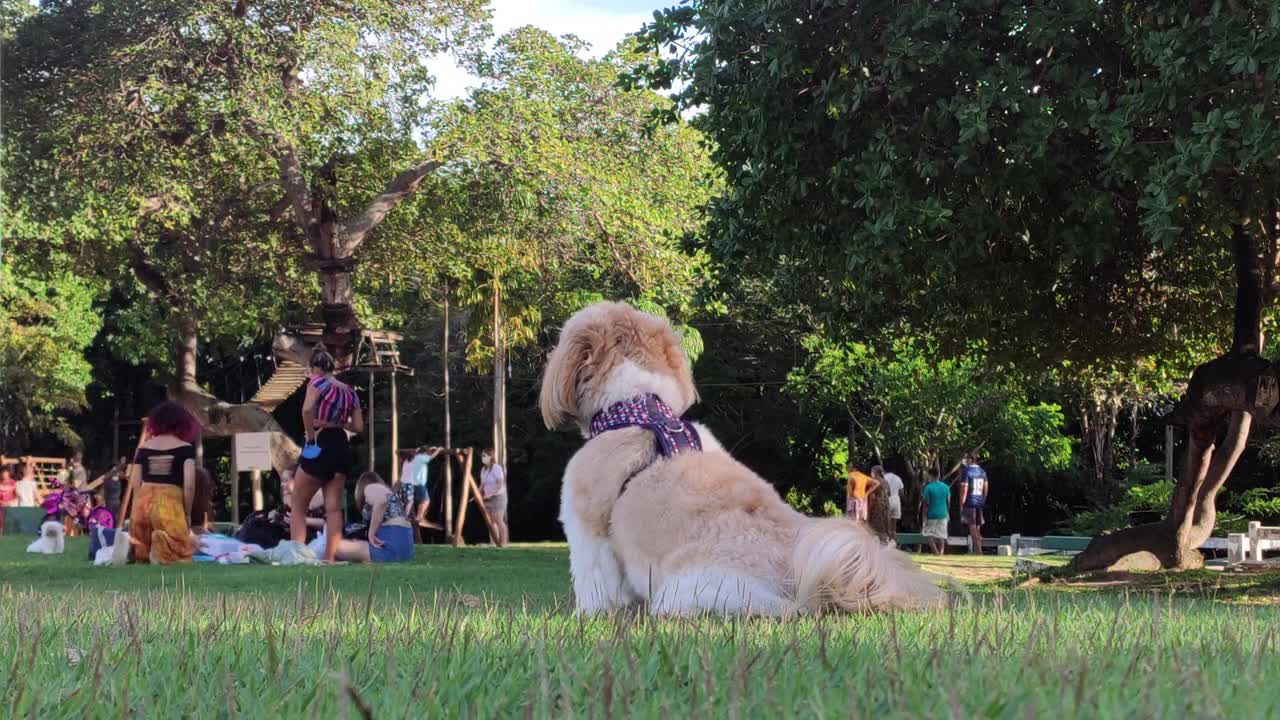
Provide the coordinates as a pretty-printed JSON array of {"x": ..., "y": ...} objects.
[
  {"x": 699, "y": 531},
  {"x": 52, "y": 540}
]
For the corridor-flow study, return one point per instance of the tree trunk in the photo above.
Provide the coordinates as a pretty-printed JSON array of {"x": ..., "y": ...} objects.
[
  {"x": 1098, "y": 431},
  {"x": 1222, "y": 400},
  {"x": 222, "y": 419},
  {"x": 912, "y": 489},
  {"x": 448, "y": 422},
  {"x": 499, "y": 382}
]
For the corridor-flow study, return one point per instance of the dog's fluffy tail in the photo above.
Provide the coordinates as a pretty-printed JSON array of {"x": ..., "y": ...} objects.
[{"x": 839, "y": 565}]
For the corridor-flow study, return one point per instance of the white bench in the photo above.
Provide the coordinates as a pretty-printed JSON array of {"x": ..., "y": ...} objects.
[{"x": 1242, "y": 547}]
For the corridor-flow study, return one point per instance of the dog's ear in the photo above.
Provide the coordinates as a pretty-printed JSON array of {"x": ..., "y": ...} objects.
[
  {"x": 566, "y": 368},
  {"x": 678, "y": 361}
]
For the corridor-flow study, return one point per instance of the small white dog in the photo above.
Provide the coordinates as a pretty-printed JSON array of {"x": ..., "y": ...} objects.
[
  {"x": 52, "y": 540},
  {"x": 657, "y": 512}
]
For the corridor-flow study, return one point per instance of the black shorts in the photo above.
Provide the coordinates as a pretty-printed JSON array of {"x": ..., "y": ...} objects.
[
  {"x": 972, "y": 516},
  {"x": 335, "y": 456}
]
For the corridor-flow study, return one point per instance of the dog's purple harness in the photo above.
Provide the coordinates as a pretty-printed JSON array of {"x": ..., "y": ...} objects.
[{"x": 674, "y": 436}]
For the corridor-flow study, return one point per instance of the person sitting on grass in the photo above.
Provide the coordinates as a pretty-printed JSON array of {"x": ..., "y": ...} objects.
[
  {"x": 390, "y": 535},
  {"x": 934, "y": 502},
  {"x": 164, "y": 473}
]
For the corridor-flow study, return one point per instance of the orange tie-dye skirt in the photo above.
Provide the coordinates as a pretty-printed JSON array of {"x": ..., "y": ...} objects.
[{"x": 159, "y": 532}]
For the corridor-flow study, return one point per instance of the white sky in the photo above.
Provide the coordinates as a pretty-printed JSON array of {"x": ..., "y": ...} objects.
[{"x": 602, "y": 23}]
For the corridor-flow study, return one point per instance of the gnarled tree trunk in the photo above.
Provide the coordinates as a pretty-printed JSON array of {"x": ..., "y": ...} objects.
[
  {"x": 1223, "y": 400},
  {"x": 1098, "y": 417},
  {"x": 223, "y": 419}
]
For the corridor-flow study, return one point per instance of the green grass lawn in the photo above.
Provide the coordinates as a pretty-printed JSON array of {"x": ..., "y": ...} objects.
[{"x": 480, "y": 633}]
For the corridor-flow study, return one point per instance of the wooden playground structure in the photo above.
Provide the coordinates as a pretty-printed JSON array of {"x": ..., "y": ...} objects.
[
  {"x": 48, "y": 469},
  {"x": 377, "y": 355}
]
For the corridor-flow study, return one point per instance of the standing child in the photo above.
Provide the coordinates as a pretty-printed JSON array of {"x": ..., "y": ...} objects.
[{"x": 27, "y": 489}]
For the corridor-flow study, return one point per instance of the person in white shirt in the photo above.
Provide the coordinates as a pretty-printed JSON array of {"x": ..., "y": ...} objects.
[
  {"x": 893, "y": 483},
  {"x": 493, "y": 489},
  {"x": 28, "y": 492}
]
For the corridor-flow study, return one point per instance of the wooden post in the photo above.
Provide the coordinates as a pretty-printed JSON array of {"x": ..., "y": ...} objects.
[
  {"x": 369, "y": 430},
  {"x": 115, "y": 433},
  {"x": 479, "y": 498},
  {"x": 448, "y": 423},
  {"x": 235, "y": 485},
  {"x": 395, "y": 434},
  {"x": 255, "y": 481},
  {"x": 499, "y": 381},
  {"x": 1255, "y": 541},
  {"x": 1168, "y": 453},
  {"x": 466, "y": 495}
]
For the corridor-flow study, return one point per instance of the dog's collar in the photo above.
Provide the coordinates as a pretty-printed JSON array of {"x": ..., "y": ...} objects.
[{"x": 674, "y": 435}]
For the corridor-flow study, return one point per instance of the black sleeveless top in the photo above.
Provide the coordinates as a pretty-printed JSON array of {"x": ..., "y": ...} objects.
[{"x": 164, "y": 466}]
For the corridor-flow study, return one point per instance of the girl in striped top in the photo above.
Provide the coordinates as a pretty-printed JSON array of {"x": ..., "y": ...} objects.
[{"x": 330, "y": 410}]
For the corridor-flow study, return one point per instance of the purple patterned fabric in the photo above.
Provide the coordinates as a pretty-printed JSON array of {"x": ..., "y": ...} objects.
[{"x": 674, "y": 435}]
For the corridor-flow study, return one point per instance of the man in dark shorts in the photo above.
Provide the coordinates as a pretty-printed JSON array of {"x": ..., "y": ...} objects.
[{"x": 973, "y": 498}]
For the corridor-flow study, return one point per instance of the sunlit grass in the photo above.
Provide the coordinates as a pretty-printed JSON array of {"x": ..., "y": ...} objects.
[{"x": 485, "y": 633}]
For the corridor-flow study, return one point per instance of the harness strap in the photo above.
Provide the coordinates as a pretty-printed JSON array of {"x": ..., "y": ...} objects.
[{"x": 673, "y": 435}]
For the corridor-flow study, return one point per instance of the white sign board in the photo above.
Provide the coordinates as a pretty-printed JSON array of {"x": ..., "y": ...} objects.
[{"x": 251, "y": 451}]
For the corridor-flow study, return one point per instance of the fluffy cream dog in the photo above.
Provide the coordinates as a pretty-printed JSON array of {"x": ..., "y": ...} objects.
[
  {"x": 696, "y": 531},
  {"x": 52, "y": 540}
]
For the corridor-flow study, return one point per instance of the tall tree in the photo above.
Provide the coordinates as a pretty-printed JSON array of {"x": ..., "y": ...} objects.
[
  {"x": 908, "y": 401},
  {"x": 45, "y": 327},
  {"x": 1073, "y": 181},
  {"x": 176, "y": 141},
  {"x": 577, "y": 198}
]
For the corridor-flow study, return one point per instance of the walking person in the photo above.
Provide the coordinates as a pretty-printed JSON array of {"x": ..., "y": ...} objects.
[
  {"x": 859, "y": 488},
  {"x": 893, "y": 483},
  {"x": 330, "y": 410},
  {"x": 974, "y": 489},
  {"x": 493, "y": 489},
  {"x": 934, "y": 501}
]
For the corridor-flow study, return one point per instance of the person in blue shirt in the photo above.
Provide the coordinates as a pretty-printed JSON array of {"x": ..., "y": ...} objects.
[
  {"x": 974, "y": 489},
  {"x": 415, "y": 480}
]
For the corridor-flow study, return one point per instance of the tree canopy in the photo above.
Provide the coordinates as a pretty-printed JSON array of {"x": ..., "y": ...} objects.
[
  {"x": 1058, "y": 179},
  {"x": 909, "y": 402},
  {"x": 45, "y": 326},
  {"x": 1067, "y": 182}
]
